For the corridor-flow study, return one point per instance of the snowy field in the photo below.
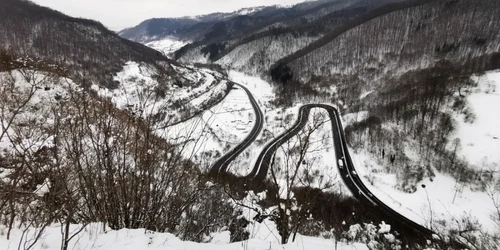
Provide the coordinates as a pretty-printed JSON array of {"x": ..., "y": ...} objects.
[
  {"x": 225, "y": 125},
  {"x": 167, "y": 45},
  {"x": 438, "y": 204},
  {"x": 216, "y": 131},
  {"x": 276, "y": 121},
  {"x": 318, "y": 168}
]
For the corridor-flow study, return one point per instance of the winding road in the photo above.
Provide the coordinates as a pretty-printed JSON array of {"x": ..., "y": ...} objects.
[
  {"x": 222, "y": 164},
  {"x": 343, "y": 158}
]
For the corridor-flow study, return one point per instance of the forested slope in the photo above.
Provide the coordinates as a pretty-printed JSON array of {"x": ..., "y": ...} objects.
[
  {"x": 205, "y": 29},
  {"x": 410, "y": 68},
  {"x": 257, "y": 52},
  {"x": 289, "y": 31},
  {"x": 85, "y": 47},
  {"x": 456, "y": 31}
]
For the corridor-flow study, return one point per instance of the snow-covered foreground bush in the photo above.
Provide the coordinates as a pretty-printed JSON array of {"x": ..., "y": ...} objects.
[{"x": 69, "y": 157}]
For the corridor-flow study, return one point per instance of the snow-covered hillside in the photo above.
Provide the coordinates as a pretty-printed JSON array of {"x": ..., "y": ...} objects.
[
  {"x": 142, "y": 91},
  {"x": 480, "y": 139},
  {"x": 441, "y": 202},
  {"x": 215, "y": 131},
  {"x": 257, "y": 56},
  {"x": 167, "y": 45},
  {"x": 28, "y": 102},
  {"x": 419, "y": 154},
  {"x": 437, "y": 205},
  {"x": 278, "y": 120}
]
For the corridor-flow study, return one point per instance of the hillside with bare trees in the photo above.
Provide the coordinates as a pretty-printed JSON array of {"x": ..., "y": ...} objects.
[
  {"x": 85, "y": 47},
  {"x": 405, "y": 67}
]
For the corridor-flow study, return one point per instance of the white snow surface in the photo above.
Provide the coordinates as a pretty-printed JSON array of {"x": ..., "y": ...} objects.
[
  {"x": 319, "y": 160},
  {"x": 262, "y": 236},
  {"x": 351, "y": 118},
  {"x": 384, "y": 228},
  {"x": 216, "y": 130},
  {"x": 37, "y": 111},
  {"x": 480, "y": 140},
  {"x": 442, "y": 199},
  {"x": 225, "y": 125},
  {"x": 42, "y": 189},
  {"x": 320, "y": 157},
  {"x": 93, "y": 237},
  {"x": 167, "y": 45}
]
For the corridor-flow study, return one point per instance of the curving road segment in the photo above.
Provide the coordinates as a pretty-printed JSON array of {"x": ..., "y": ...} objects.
[{"x": 343, "y": 159}]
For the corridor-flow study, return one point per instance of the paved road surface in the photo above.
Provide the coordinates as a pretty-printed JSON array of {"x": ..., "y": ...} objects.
[{"x": 222, "y": 164}]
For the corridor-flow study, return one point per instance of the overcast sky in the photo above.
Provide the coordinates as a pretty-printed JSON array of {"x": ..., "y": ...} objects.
[{"x": 119, "y": 14}]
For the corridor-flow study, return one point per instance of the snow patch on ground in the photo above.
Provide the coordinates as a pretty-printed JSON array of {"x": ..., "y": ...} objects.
[
  {"x": 318, "y": 169},
  {"x": 320, "y": 157},
  {"x": 167, "y": 45},
  {"x": 480, "y": 140},
  {"x": 441, "y": 201},
  {"x": 216, "y": 131},
  {"x": 95, "y": 238},
  {"x": 262, "y": 91},
  {"x": 352, "y": 118},
  {"x": 225, "y": 125},
  {"x": 29, "y": 99}
]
